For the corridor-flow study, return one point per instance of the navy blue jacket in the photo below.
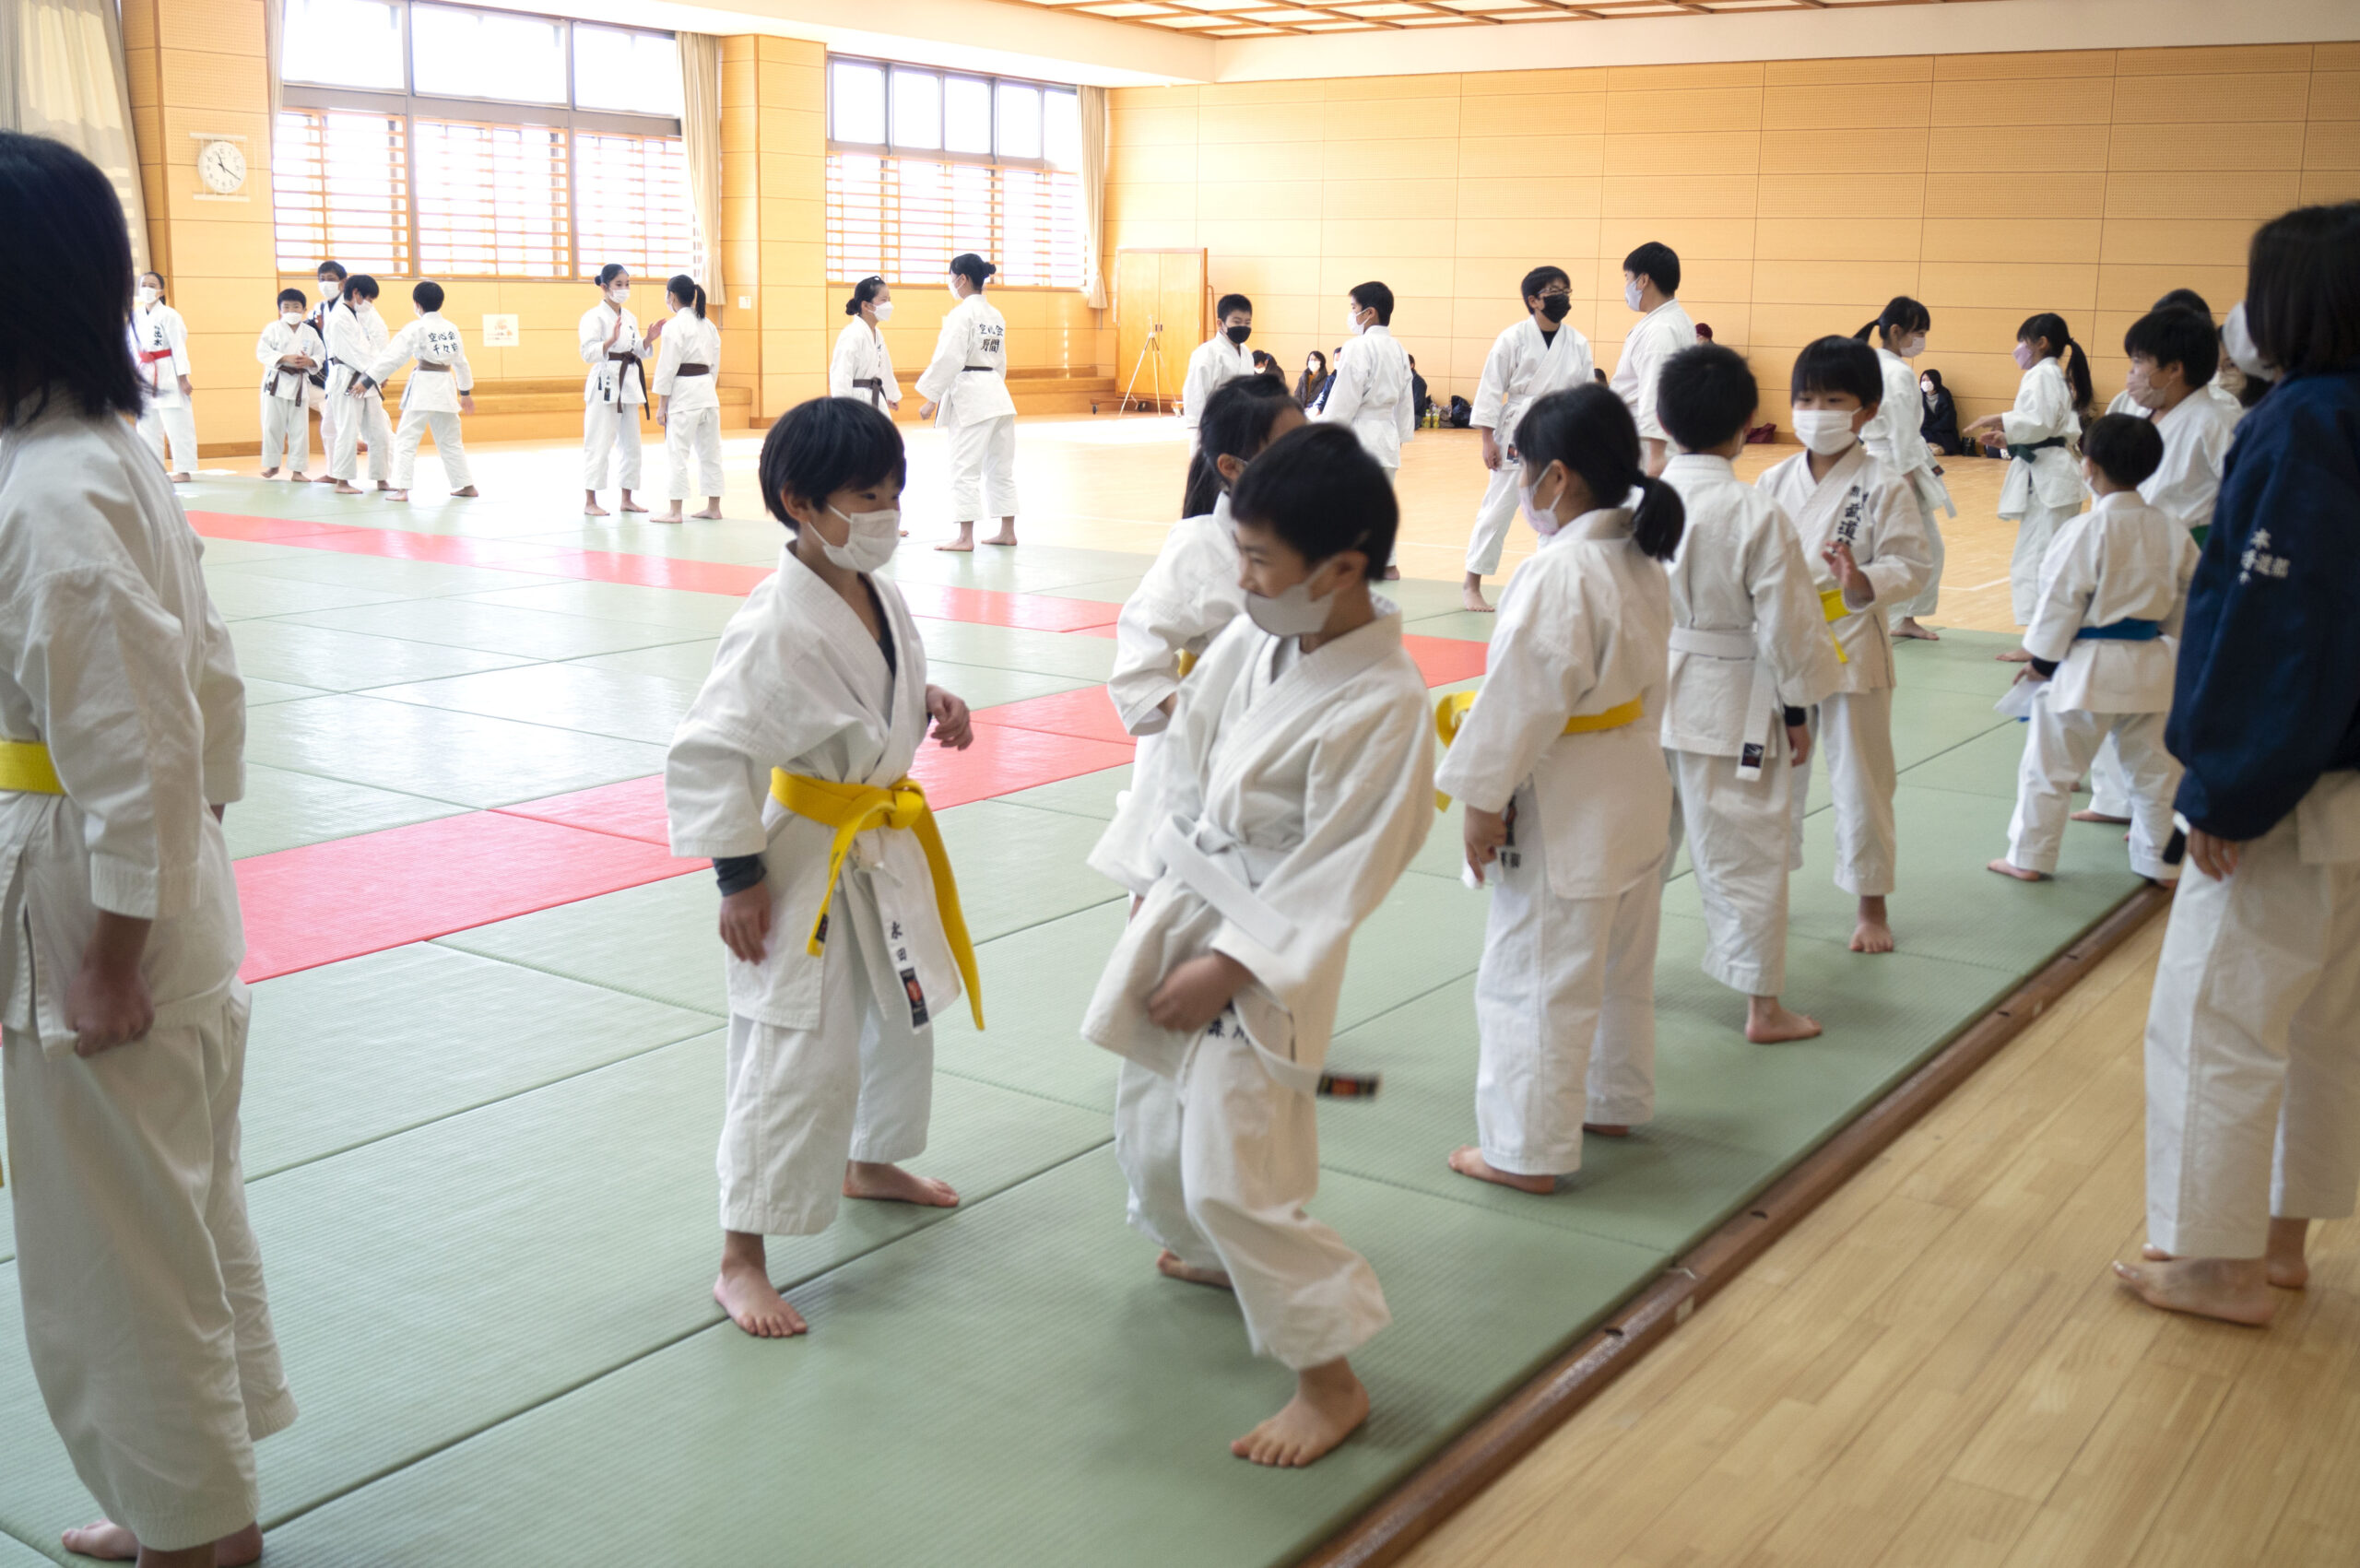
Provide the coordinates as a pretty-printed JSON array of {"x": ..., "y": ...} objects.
[{"x": 2268, "y": 693}]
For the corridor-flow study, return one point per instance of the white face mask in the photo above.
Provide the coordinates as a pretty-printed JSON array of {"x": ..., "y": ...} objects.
[
  {"x": 953, "y": 287},
  {"x": 1826, "y": 431},
  {"x": 328, "y": 287},
  {"x": 292, "y": 318},
  {"x": 883, "y": 309},
  {"x": 1911, "y": 346},
  {"x": 1633, "y": 294},
  {"x": 1293, "y": 613},
  {"x": 620, "y": 293},
  {"x": 870, "y": 545},
  {"x": 1353, "y": 321},
  {"x": 147, "y": 296},
  {"x": 1542, "y": 523},
  {"x": 2242, "y": 351},
  {"x": 1927, "y": 387}
]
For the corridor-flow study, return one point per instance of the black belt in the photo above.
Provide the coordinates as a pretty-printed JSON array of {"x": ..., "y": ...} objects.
[
  {"x": 693, "y": 370},
  {"x": 978, "y": 367},
  {"x": 431, "y": 365},
  {"x": 874, "y": 384}
]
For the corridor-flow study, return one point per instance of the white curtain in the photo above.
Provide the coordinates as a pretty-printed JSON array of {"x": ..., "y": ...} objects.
[
  {"x": 62, "y": 77},
  {"x": 1093, "y": 196},
  {"x": 701, "y": 143}
]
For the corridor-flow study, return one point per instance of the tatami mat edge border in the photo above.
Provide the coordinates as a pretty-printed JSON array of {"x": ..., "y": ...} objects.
[{"x": 1456, "y": 1476}]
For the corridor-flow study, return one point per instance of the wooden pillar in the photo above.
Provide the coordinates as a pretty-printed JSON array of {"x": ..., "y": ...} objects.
[{"x": 773, "y": 169}]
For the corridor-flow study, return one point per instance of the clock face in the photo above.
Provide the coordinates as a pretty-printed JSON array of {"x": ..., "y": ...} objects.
[{"x": 222, "y": 166}]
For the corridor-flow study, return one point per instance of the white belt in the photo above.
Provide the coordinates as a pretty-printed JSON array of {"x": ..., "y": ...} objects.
[
  {"x": 1239, "y": 905},
  {"x": 1761, "y": 699}
]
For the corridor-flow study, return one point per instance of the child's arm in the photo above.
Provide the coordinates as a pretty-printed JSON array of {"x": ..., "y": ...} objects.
[
  {"x": 466, "y": 377},
  {"x": 1901, "y": 557},
  {"x": 1491, "y": 397},
  {"x": 952, "y": 727},
  {"x": 2067, "y": 578},
  {"x": 1344, "y": 394}
]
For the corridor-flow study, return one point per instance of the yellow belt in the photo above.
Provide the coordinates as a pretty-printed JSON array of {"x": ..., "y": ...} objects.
[
  {"x": 1188, "y": 662},
  {"x": 852, "y": 809},
  {"x": 1451, "y": 711},
  {"x": 1833, "y": 608},
  {"x": 24, "y": 769}
]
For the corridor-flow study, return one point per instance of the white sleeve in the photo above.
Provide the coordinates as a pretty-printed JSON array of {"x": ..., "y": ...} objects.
[
  {"x": 396, "y": 354},
  {"x": 942, "y": 372},
  {"x": 842, "y": 365},
  {"x": 2042, "y": 406},
  {"x": 2067, "y": 579},
  {"x": 1543, "y": 666},
  {"x": 885, "y": 373},
  {"x": 466, "y": 382},
  {"x": 668, "y": 359},
  {"x": 1790, "y": 629},
  {"x": 594, "y": 340},
  {"x": 1196, "y": 387},
  {"x": 176, "y": 333},
  {"x": 1902, "y": 557},
  {"x": 1344, "y": 397},
  {"x": 1650, "y": 356},
  {"x": 1492, "y": 392}
]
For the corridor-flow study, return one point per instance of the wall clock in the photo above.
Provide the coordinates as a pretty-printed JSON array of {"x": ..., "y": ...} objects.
[{"x": 222, "y": 167}]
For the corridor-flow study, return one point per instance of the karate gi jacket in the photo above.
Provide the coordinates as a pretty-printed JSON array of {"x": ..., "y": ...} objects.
[
  {"x": 277, "y": 341},
  {"x": 1661, "y": 333},
  {"x": 1188, "y": 598},
  {"x": 158, "y": 330},
  {"x": 1521, "y": 369},
  {"x": 861, "y": 355},
  {"x": 967, "y": 378},
  {"x": 1216, "y": 362},
  {"x": 1370, "y": 391},
  {"x": 430, "y": 340},
  {"x": 354, "y": 343},
  {"x": 1896, "y": 436},
  {"x": 688, "y": 339},
  {"x": 2044, "y": 408},
  {"x": 611, "y": 381},
  {"x": 1865, "y": 505},
  {"x": 2122, "y": 561}
]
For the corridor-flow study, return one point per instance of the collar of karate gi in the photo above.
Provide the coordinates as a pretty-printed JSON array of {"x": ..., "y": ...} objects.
[
  {"x": 1606, "y": 522},
  {"x": 1701, "y": 464},
  {"x": 2120, "y": 501}
]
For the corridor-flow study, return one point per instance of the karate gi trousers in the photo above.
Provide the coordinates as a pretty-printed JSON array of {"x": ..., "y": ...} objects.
[
  {"x": 983, "y": 469},
  {"x": 1855, "y": 734},
  {"x": 359, "y": 420},
  {"x": 1220, "y": 1161},
  {"x": 2058, "y": 744},
  {"x": 2253, "y": 1062},
  {"x": 1493, "y": 517},
  {"x": 693, "y": 440},
  {"x": 285, "y": 433},
  {"x": 801, "y": 1102},
  {"x": 175, "y": 426},
  {"x": 2110, "y": 783},
  {"x": 2034, "y": 530},
  {"x": 610, "y": 427},
  {"x": 1739, "y": 837},
  {"x": 145, "y": 1313},
  {"x": 1930, "y": 596},
  {"x": 1565, "y": 1009},
  {"x": 448, "y": 446}
]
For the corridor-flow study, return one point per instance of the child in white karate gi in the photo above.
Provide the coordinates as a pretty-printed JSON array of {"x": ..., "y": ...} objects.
[
  {"x": 614, "y": 394},
  {"x": 159, "y": 343},
  {"x": 331, "y": 279},
  {"x": 791, "y": 771},
  {"x": 1650, "y": 284},
  {"x": 437, "y": 393},
  {"x": 290, "y": 351},
  {"x": 967, "y": 379},
  {"x": 1536, "y": 357},
  {"x": 2044, "y": 483},
  {"x": 1371, "y": 390},
  {"x": 862, "y": 365},
  {"x": 123, "y": 1023},
  {"x": 1896, "y": 439},
  {"x": 2104, "y": 636},
  {"x": 356, "y": 337},
  {"x": 1191, "y": 592},
  {"x": 1862, "y": 532},
  {"x": 1294, "y": 785},
  {"x": 1751, "y": 656},
  {"x": 1560, "y": 766},
  {"x": 1218, "y": 361},
  {"x": 688, "y": 399}
]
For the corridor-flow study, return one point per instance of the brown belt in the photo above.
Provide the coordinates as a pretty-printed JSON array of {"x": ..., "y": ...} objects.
[
  {"x": 623, "y": 358},
  {"x": 693, "y": 370},
  {"x": 431, "y": 365}
]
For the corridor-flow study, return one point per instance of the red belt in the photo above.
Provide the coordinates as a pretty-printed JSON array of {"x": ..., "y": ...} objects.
[{"x": 149, "y": 356}]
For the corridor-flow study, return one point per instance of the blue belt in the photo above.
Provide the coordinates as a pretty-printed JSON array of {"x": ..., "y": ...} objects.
[{"x": 2121, "y": 631}]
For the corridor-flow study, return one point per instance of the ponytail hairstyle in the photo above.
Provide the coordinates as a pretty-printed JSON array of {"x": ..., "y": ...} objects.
[
  {"x": 609, "y": 273},
  {"x": 972, "y": 267},
  {"x": 1590, "y": 430},
  {"x": 1902, "y": 316},
  {"x": 686, "y": 290},
  {"x": 1235, "y": 423},
  {"x": 863, "y": 291},
  {"x": 2051, "y": 326}
]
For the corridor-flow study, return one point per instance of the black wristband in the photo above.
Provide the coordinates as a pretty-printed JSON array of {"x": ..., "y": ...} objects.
[
  {"x": 736, "y": 873},
  {"x": 1798, "y": 717},
  {"x": 2044, "y": 668}
]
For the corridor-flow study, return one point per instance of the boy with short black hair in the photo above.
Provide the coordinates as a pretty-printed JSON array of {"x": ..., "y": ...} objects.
[
  {"x": 356, "y": 337},
  {"x": 2104, "y": 639},
  {"x": 1218, "y": 361},
  {"x": 1861, "y": 530},
  {"x": 290, "y": 351},
  {"x": 1650, "y": 284},
  {"x": 1370, "y": 391},
  {"x": 438, "y": 391},
  {"x": 1536, "y": 357}
]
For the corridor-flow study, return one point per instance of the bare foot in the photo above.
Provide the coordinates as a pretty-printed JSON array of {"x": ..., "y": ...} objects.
[
  {"x": 111, "y": 1542},
  {"x": 343, "y": 489},
  {"x": 1607, "y": 1129},
  {"x": 1872, "y": 932},
  {"x": 753, "y": 1304},
  {"x": 2283, "y": 1265},
  {"x": 710, "y": 515},
  {"x": 2014, "y": 656},
  {"x": 890, "y": 1184},
  {"x": 1769, "y": 1021},
  {"x": 382, "y": 485},
  {"x": 1328, "y": 1403},
  {"x": 1469, "y": 1161},
  {"x": 1393, "y": 574},
  {"x": 1909, "y": 628},
  {"x": 325, "y": 479},
  {"x": 663, "y": 517},
  {"x": 1005, "y": 536},
  {"x": 963, "y": 545},
  {"x": 297, "y": 478},
  {"x": 468, "y": 494},
  {"x": 180, "y": 478},
  {"x": 2101, "y": 817},
  {"x": 397, "y": 495},
  {"x": 270, "y": 473},
  {"x": 2231, "y": 1289},
  {"x": 1471, "y": 595},
  {"x": 590, "y": 507},
  {"x": 2010, "y": 869},
  {"x": 1170, "y": 1267},
  {"x": 627, "y": 504}
]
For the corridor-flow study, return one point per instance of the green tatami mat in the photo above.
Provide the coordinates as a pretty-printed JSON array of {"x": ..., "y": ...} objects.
[
  {"x": 1007, "y": 647},
  {"x": 493, "y": 629},
  {"x": 241, "y": 595},
  {"x": 347, "y": 661},
  {"x": 645, "y": 708},
  {"x": 984, "y": 686},
  {"x": 259, "y": 691},
  {"x": 411, "y": 579},
  {"x": 1986, "y": 764},
  {"x": 427, "y": 1286},
  {"x": 1962, "y": 661},
  {"x": 689, "y": 662},
  {"x": 1084, "y": 794},
  {"x": 700, "y": 614},
  {"x": 15, "y": 1553},
  {"x": 1018, "y": 1386},
  {"x": 463, "y": 758},
  {"x": 282, "y": 809},
  {"x": 1036, "y": 984}
]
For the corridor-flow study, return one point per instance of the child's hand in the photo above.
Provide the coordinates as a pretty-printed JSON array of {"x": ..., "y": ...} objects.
[
  {"x": 2025, "y": 672},
  {"x": 746, "y": 922},
  {"x": 1798, "y": 745},
  {"x": 466, "y": 402},
  {"x": 1486, "y": 832},
  {"x": 925, "y": 411},
  {"x": 952, "y": 726},
  {"x": 1859, "y": 592},
  {"x": 1193, "y": 995}
]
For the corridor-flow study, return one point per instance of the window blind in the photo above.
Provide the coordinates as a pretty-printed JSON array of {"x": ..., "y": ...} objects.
[
  {"x": 492, "y": 200},
  {"x": 340, "y": 185},
  {"x": 903, "y": 218},
  {"x": 632, "y": 205}
]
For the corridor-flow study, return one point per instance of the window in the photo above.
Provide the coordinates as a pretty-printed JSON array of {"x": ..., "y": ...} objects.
[
  {"x": 925, "y": 164},
  {"x": 441, "y": 140}
]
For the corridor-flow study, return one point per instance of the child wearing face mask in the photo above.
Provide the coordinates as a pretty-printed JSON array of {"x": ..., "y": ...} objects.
[
  {"x": 1219, "y": 360},
  {"x": 1294, "y": 788},
  {"x": 1896, "y": 439},
  {"x": 160, "y": 347},
  {"x": 862, "y": 367},
  {"x": 967, "y": 380},
  {"x": 356, "y": 337},
  {"x": 1650, "y": 284},
  {"x": 331, "y": 277},
  {"x": 1865, "y": 536},
  {"x": 1536, "y": 357},
  {"x": 688, "y": 401},
  {"x": 1371, "y": 393},
  {"x": 290, "y": 351},
  {"x": 2044, "y": 483},
  {"x": 438, "y": 390},
  {"x": 614, "y": 393},
  {"x": 2103, "y": 643},
  {"x": 838, "y": 908},
  {"x": 1312, "y": 384},
  {"x": 1559, "y": 764}
]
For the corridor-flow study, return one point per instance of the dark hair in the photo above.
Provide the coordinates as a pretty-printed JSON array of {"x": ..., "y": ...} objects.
[
  {"x": 2185, "y": 299},
  {"x": 1539, "y": 278},
  {"x": 2303, "y": 289},
  {"x": 1229, "y": 302},
  {"x": 159, "y": 277},
  {"x": 825, "y": 445},
  {"x": 293, "y": 295},
  {"x": 1235, "y": 423},
  {"x": 54, "y": 203},
  {"x": 972, "y": 267},
  {"x": 1374, "y": 296},
  {"x": 611, "y": 271},
  {"x": 1263, "y": 363},
  {"x": 2050, "y": 326},
  {"x": 1902, "y": 316},
  {"x": 428, "y": 293},
  {"x": 1933, "y": 375},
  {"x": 2176, "y": 337},
  {"x": 1659, "y": 261},
  {"x": 1839, "y": 364},
  {"x": 335, "y": 267},
  {"x": 1590, "y": 430},
  {"x": 361, "y": 283},
  {"x": 1705, "y": 395},
  {"x": 865, "y": 290},
  {"x": 1321, "y": 356},
  {"x": 1319, "y": 490},
  {"x": 2124, "y": 447},
  {"x": 683, "y": 287}
]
